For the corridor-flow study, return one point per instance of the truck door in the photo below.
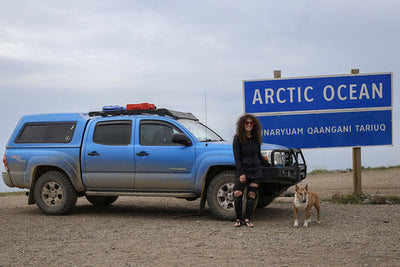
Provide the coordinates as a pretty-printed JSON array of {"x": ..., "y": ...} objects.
[
  {"x": 108, "y": 155},
  {"x": 160, "y": 164}
]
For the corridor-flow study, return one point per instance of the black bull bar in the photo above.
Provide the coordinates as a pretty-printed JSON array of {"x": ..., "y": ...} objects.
[{"x": 291, "y": 170}]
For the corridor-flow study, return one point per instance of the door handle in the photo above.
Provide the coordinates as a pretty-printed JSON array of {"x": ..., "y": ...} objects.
[
  {"x": 93, "y": 153},
  {"x": 142, "y": 153}
]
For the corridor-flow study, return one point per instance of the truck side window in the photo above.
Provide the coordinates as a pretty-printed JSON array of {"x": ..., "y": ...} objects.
[
  {"x": 113, "y": 133},
  {"x": 46, "y": 132},
  {"x": 157, "y": 133}
]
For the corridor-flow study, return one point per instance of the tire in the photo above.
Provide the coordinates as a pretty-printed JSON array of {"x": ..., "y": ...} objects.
[
  {"x": 220, "y": 195},
  {"x": 54, "y": 193},
  {"x": 101, "y": 200}
]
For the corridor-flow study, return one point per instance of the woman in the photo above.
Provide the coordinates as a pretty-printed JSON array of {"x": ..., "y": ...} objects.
[{"x": 249, "y": 160}]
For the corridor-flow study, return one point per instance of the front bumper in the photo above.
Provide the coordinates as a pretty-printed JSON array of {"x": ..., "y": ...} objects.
[
  {"x": 7, "y": 179},
  {"x": 293, "y": 171},
  {"x": 283, "y": 175}
]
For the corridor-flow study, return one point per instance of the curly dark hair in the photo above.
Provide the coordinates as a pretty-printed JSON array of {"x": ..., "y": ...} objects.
[{"x": 255, "y": 132}]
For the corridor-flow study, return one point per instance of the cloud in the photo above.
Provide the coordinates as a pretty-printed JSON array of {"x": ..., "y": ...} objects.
[{"x": 68, "y": 56}]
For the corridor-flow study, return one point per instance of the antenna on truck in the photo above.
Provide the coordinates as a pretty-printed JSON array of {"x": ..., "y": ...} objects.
[{"x": 205, "y": 114}]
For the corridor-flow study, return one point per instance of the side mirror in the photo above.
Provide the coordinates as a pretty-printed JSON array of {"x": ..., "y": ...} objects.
[{"x": 182, "y": 139}]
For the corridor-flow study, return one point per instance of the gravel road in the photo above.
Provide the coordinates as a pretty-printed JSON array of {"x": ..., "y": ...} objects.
[{"x": 139, "y": 231}]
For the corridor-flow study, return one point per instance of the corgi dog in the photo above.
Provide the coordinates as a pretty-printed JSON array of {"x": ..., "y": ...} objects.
[{"x": 305, "y": 200}]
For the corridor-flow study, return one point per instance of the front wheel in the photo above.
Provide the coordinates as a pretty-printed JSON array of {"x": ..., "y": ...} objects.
[
  {"x": 54, "y": 193},
  {"x": 220, "y": 195}
]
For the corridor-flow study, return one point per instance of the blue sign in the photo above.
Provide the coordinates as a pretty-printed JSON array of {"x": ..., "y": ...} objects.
[
  {"x": 318, "y": 93},
  {"x": 323, "y": 111},
  {"x": 328, "y": 129}
]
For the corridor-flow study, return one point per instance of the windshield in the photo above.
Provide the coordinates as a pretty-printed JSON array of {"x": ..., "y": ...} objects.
[{"x": 200, "y": 131}]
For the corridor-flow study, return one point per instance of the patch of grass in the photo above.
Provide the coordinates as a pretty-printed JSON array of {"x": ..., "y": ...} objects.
[
  {"x": 324, "y": 171},
  {"x": 379, "y": 168},
  {"x": 393, "y": 199},
  {"x": 352, "y": 199},
  {"x": 361, "y": 199},
  {"x": 319, "y": 171}
]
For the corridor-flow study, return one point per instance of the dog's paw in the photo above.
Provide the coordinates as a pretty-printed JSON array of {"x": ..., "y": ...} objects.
[
  {"x": 319, "y": 222},
  {"x": 296, "y": 223},
  {"x": 305, "y": 224}
]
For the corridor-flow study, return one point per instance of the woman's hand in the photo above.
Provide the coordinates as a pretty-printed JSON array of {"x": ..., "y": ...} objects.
[{"x": 242, "y": 178}]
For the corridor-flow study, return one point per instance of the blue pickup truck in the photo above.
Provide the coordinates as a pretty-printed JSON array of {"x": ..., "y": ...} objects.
[{"x": 139, "y": 151}]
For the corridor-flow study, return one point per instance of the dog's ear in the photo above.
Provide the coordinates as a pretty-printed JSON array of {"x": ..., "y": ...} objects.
[{"x": 306, "y": 187}]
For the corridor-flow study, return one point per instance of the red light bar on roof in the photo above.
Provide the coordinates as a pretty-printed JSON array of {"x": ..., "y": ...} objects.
[{"x": 140, "y": 106}]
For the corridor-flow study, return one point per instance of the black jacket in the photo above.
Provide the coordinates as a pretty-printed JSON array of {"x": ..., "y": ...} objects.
[{"x": 248, "y": 157}]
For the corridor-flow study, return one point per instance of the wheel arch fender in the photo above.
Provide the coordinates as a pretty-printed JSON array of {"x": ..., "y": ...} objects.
[
  {"x": 209, "y": 167},
  {"x": 42, "y": 164},
  {"x": 206, "y": 177}
]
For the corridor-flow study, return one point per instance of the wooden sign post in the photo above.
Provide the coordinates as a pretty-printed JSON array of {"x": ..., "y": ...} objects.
[{"x": 356, "y": 160}]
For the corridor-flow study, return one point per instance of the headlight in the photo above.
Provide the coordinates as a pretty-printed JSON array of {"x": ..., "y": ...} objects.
[
  {"x": 266, "y": 154},
  {"x": 279, "y": 157}
]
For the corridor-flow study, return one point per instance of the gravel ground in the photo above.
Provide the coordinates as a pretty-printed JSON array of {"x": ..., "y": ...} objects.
[{"x": 139, "y": 231}]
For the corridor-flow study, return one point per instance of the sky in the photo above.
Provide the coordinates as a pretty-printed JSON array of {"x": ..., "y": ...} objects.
[{"x": 77, "y": 56}]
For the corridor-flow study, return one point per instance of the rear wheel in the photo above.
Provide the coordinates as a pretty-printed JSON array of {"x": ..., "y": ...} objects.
[
  {"x": 220, "y": 195},
  {"x": 101, "y": 200},
  {"x": 54, "y": 193}
]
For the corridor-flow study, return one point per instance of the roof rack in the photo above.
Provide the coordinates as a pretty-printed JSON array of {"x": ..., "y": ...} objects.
[{"x": 161, "y": 112}]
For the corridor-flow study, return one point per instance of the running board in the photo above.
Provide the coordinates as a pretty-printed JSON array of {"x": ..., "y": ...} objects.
[{"x": 141, "y": 194}]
